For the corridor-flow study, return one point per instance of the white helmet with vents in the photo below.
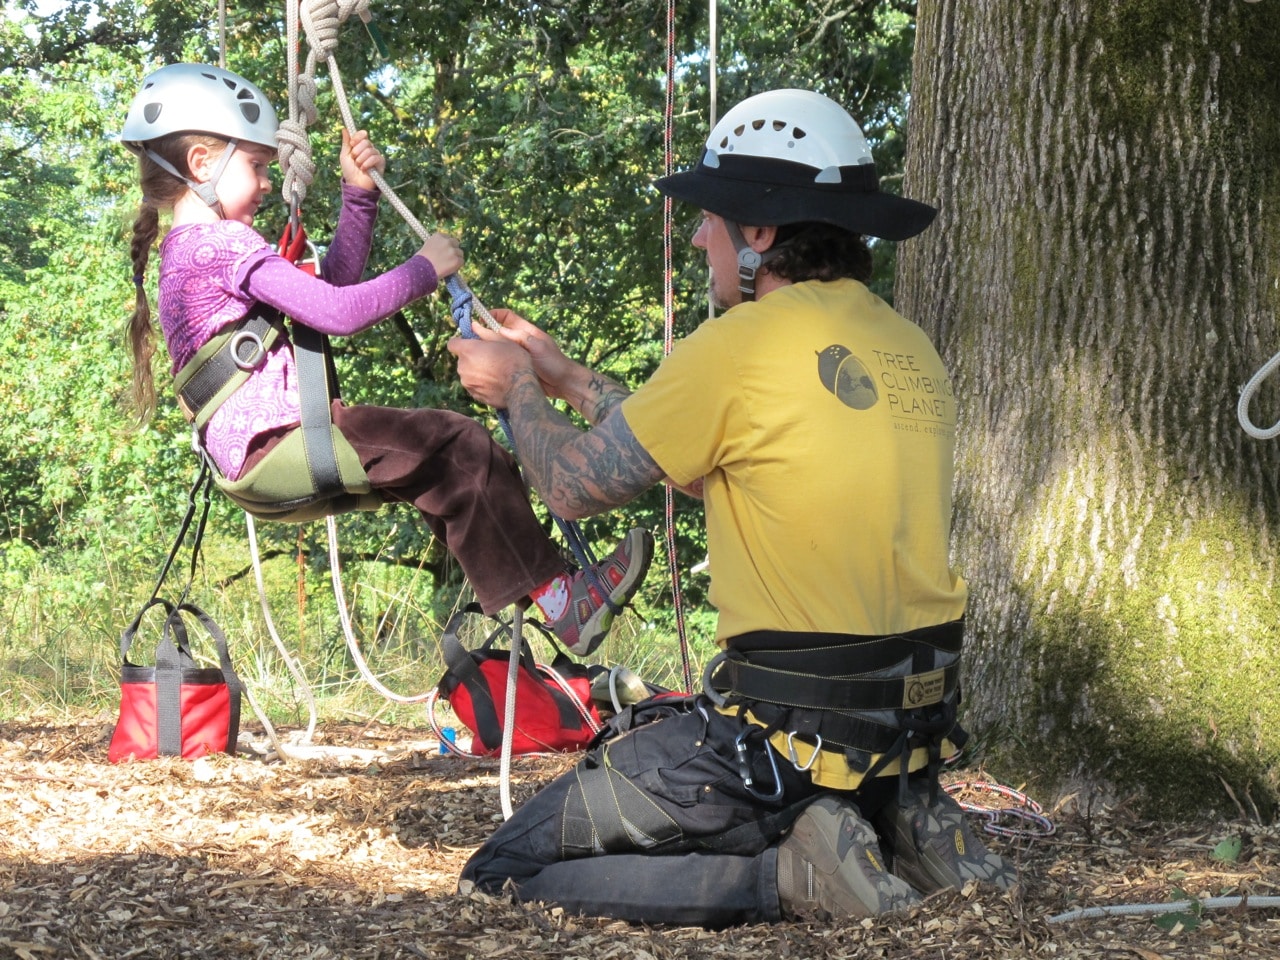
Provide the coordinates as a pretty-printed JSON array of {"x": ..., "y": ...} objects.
[
  {"x": 795, "y": 156},
  {"x": 198, "y": 98}
]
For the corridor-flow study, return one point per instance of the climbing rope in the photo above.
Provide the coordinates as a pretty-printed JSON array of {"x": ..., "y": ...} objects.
[
  {"x": 668, "y": 335},
  {"x": 1024, "y": 819},
  {"x": 1246, "y": 395},
  {"x": 321, "y": 21}
]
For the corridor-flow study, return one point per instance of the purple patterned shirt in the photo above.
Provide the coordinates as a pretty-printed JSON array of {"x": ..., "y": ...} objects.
[{"x": 212, "y": 274}]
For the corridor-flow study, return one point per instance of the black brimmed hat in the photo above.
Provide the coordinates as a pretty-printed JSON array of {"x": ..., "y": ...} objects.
[{"x": 795, "y": 156}]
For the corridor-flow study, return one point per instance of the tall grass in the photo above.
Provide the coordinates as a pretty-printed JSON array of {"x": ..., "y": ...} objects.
[{"x": 61, "y": 621}]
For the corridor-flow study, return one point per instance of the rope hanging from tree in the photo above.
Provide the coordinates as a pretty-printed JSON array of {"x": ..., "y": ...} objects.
[
  {"x": 1246, "y": 395},
  {"x": 321, "y": 20}
]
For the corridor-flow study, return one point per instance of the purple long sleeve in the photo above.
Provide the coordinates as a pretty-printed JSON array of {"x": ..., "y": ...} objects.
[
  {"x": 344, "y": 262},
  {"x": 340, "y": 311},
  {"x": 338, "y": 303}
]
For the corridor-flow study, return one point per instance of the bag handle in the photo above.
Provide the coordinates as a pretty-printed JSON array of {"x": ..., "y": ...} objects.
[
  {"x": 458, "y": 660},
  {"x": 126, "y": 638},
  {"x": 173, "y": 656}
]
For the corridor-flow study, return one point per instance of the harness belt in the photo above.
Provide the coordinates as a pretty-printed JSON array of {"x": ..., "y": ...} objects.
[
  {"x": 869, "y": 696},
  {"x": 895, "y": 672},
  {"x": 225, "y": 362}
]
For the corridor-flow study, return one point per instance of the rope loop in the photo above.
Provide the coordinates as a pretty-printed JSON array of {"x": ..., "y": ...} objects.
[
  {"x": 320, "y": 22},
  {"x": 295, "y": 159},
  {"x": 306, "y": 96},
  {"x": 1246, "y": 395}
]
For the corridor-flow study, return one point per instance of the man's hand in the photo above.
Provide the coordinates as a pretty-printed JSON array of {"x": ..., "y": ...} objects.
[
  {"x": 490, "y": 365},
  {"x": 549, "y": 362}
]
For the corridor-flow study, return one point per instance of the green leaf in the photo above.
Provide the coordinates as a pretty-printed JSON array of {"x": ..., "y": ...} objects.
[
  {"x": 1228, "y": 851},
  {"x": 1177, "y": 922}
]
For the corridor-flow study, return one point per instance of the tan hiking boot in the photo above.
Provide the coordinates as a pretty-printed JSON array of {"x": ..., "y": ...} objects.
[
  {"x": 830, "y": 866},
  {"x": 934, "y": 848}
]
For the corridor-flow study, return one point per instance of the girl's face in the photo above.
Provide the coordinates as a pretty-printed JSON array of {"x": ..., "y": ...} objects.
[{"x": 245, "y": 182}]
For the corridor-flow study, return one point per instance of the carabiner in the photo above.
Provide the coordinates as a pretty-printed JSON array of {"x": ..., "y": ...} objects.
[
  {"x": 795, "y": 757},
  {"x": 744, "y": 768}
]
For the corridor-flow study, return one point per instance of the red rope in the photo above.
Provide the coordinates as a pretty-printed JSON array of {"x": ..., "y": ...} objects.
[{"x": 668, "y": 332}]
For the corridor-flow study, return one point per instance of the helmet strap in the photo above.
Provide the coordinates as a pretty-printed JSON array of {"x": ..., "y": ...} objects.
[
  {"x": 749, "y": 260},
  {"x": 206, "y": 191}
]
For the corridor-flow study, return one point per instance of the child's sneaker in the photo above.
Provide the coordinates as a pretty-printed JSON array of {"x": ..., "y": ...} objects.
[
  {"x": 587, "y": 619},
  {"x": 830, "y": 867},
  {"x": 933, "y": 846}
]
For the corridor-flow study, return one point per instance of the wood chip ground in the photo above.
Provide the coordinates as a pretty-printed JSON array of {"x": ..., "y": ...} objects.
[{"x": 237, "y": 857}]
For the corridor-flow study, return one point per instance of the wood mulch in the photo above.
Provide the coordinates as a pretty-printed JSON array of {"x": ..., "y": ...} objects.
[{"x": 334, "y": 858}]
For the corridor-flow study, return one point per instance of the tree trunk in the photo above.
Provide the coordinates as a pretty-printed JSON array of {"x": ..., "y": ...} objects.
[{"x": 1102, "y": 279}]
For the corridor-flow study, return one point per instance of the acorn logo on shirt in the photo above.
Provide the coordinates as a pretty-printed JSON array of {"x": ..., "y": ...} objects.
[{"x": 847, "y": 377}]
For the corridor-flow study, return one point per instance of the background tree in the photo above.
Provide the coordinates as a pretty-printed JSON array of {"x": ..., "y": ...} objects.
[{"x": 1102, "y": 280}]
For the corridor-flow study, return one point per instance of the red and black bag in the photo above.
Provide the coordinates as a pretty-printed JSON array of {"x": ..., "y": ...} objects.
[
  {"x": 176, "y": 708},
  {"x": 554, "y": 711}
]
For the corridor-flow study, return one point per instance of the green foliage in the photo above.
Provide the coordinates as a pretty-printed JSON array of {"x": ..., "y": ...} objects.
[
  {"x": 1227, "y": 851},
  {"x": 533, "y": 132}
]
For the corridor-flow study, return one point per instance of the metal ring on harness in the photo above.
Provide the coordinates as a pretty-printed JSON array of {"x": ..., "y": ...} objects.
[{"x": 259, "y": 353}]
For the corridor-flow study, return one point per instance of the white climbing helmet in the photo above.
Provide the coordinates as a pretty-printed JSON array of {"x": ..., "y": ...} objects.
[
  {"x": 794, "y": 156},
  {"x": 198, "y": 98}
]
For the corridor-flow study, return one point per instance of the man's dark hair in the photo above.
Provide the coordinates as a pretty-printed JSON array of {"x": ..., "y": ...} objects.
[{"x": 820, "y": 251}]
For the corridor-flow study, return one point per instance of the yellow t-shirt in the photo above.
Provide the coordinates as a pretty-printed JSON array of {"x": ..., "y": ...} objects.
[{"x": 823, "y": 426}]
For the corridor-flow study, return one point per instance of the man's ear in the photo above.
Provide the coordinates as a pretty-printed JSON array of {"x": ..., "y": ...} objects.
[
  {"x": 199, "y": 157},
  {"x": 760, "y": 238}
]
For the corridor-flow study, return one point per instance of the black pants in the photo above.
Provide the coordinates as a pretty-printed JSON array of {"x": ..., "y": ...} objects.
[{"x": 656, "y": 824}]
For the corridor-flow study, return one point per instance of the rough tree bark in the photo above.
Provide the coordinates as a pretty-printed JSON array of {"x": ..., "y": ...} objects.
[{"x": 1102, "y": 279}]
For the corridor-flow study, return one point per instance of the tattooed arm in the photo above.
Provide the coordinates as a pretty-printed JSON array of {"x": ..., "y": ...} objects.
[{"x": 577, "y": 474}]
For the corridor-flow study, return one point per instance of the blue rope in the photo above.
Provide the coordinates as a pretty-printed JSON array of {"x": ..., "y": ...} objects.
[{"x": 461, "y": 307}]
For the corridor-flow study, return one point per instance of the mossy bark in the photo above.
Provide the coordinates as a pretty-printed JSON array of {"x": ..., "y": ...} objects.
[{"x": 1102, "y": 279}]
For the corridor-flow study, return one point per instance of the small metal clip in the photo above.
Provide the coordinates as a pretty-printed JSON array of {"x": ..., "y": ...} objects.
[
  {"x": 744, "y": 768},
  {"x": 795, "y": 757}
]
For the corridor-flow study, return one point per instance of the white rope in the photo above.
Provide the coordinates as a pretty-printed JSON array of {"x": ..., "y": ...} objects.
[
  {"x": 294, "y": 667},
  {"x": 1146, "y": 909},
  {"x": 344, "y": 615},
  {"x": 1246, "y": 395},
  {"x": 509, "y": 716},
  {"x": 321, "y": 20}
]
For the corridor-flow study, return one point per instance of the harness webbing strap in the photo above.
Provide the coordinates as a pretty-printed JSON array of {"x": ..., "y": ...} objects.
[
  {"x": 748, "y": 681},
  {"x": 835, "y": 672},
  {"x": 224, "y": 363},
  {"x": 309, "y": 350}
]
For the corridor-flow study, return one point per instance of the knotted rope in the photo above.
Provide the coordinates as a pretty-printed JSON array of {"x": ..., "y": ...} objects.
[{"x": 321, "y": 20}]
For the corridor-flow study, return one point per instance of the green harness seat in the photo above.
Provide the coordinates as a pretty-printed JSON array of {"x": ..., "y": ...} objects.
[{"x": 314, "y": 471}]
